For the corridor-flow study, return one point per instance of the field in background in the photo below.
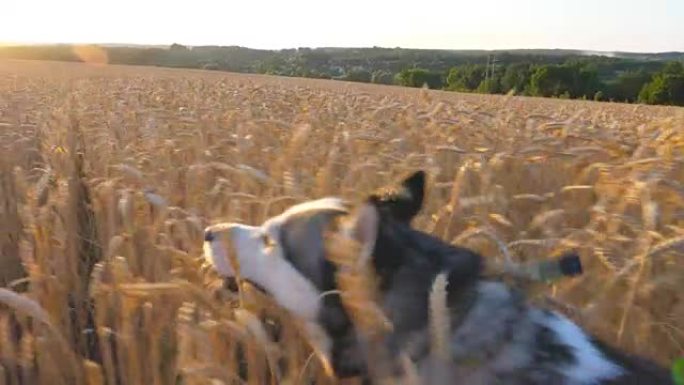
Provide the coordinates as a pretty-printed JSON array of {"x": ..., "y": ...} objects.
[{"x": 109, "y": 175}]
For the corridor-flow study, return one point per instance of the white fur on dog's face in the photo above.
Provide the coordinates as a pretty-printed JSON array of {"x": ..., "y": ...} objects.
[{"x": 261, "y": 257}]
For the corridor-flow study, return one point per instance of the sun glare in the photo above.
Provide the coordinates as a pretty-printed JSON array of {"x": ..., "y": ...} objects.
[{"x": 91, "y": 54}]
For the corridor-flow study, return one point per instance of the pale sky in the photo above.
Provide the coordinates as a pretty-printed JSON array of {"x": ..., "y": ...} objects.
[{"x": 605, "y": 25}]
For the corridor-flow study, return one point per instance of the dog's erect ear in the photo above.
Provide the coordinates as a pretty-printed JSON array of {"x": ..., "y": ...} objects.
[
  {"x": 402, "y": 202},
  {"x": 415, "y": 185}
]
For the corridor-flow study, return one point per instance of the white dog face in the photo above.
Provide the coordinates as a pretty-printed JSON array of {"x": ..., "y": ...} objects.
[{"x": 283, "y": 255}]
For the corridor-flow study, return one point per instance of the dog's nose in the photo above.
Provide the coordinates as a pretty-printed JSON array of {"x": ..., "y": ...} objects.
[
  {"x": 209, "y": 236},
  {"x": 214, "y": 231}
]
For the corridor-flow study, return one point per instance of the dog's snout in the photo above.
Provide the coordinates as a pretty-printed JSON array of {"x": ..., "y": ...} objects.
[{"x": 218, "y": 246}]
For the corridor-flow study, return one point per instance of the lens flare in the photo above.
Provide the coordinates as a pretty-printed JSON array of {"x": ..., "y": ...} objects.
[{"x": 91, "y": 54}]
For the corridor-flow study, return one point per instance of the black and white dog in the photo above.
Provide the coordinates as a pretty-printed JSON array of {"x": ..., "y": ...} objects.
[{"x": 495, "y": 335}]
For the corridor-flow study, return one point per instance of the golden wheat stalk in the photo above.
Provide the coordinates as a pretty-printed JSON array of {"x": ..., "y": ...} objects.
[{"x": 31, "y": 308}]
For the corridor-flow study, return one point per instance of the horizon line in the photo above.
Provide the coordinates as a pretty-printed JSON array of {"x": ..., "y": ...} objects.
[{"x": 25, "y": 44}]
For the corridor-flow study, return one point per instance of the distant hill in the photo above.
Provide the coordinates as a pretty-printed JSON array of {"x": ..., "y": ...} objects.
[
  {"x": 547, "y": 72},
  {"x": 22, "y": 50}
]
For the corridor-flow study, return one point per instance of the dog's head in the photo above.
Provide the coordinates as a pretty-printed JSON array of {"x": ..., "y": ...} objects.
[{"x": 285, "y": 255}]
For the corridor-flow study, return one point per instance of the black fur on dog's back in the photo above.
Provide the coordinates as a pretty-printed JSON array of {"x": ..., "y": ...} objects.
[{"x": 407, "y": 262}]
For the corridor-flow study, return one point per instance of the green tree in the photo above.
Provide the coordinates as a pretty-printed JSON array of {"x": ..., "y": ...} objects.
[
  {"x": 572, "y": 80},
  {"x": 382, "y": 77},
  {"x": 665, "y": 89},
  {"x": 491, "y": 85},
  {"x": 673, "y": 68},
  {"x": 178, "y": 47},
  {"x": 466, "y": 78},
  {"x": 667, "y": 86},
  {"x": 417, "y": 77},
  {"x": 628, "y": 85},
  {"x": 550, "y": 80},
  {"x": 358, "y": 75},
  {"x": 585, "y": 80},
  {"x": 516, "y": 77}
]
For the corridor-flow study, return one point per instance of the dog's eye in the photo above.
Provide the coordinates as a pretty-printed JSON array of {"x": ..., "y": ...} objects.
[{"x": 266, "y": 240}]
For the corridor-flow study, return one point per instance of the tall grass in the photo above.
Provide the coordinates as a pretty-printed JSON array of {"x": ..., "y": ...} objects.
[{"x": 109, "y": 175}]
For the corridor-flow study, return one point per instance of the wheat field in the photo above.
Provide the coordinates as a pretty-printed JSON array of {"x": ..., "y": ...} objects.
[{"x": 110, "y": 174}]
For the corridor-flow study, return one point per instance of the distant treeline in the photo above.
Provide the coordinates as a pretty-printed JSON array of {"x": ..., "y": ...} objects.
[{"x": 621, "y": 77}]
